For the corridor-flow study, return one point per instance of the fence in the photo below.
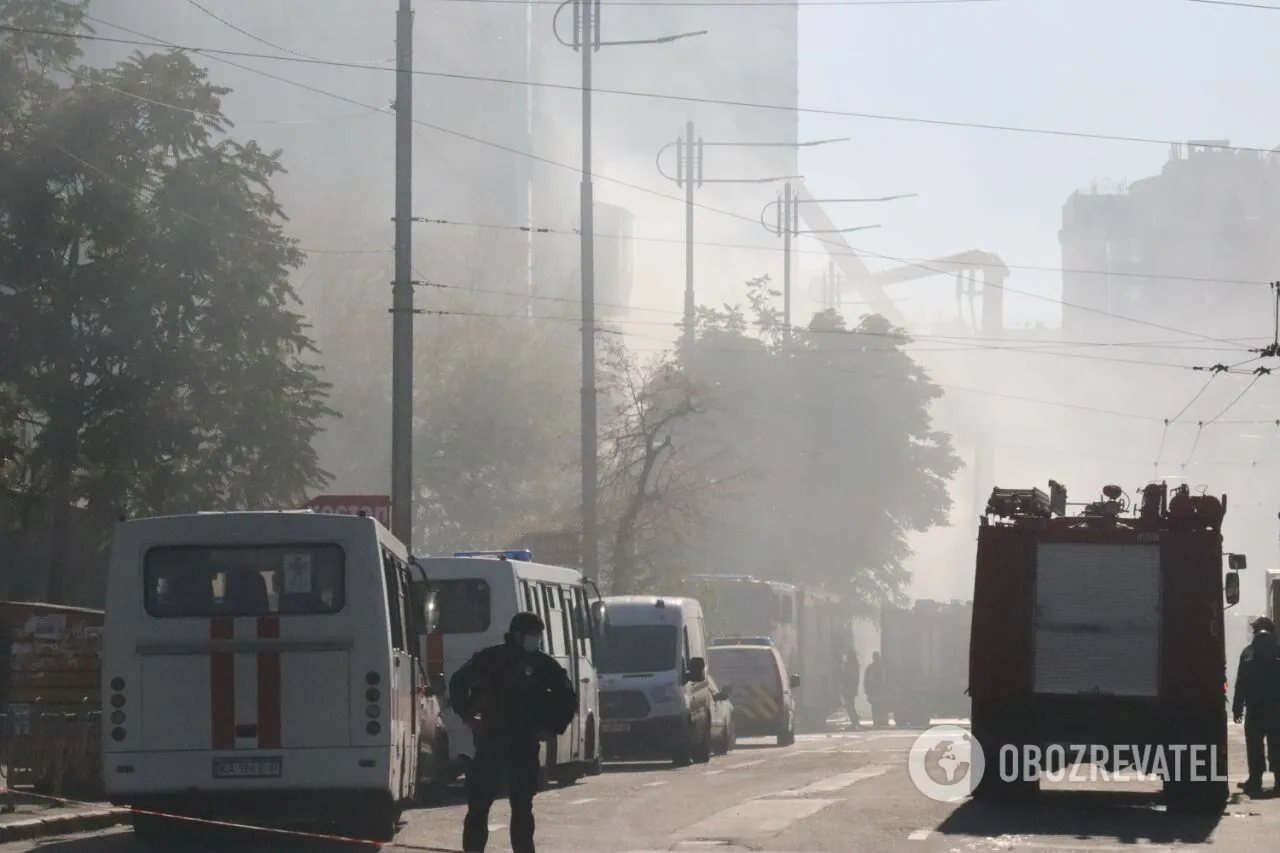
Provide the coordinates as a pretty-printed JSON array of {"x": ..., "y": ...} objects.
[{"x": 53, "y": 750}]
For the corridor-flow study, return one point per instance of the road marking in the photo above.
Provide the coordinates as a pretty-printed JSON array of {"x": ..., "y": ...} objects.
[
  {"x": 494, "y": 827},
  {"x": 754, "y": 818},
  {"x": 655, "y": 784},
  {"x": 583, "y": 801},
  {"x": 919, "y": 835},
  {"x": 745, "y": 764},
  {"x": 838, "y": 783},
  {"x": 712, "y": 772}
]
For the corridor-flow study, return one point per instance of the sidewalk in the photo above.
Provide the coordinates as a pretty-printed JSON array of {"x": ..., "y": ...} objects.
[{"x": 23, "y": 816}]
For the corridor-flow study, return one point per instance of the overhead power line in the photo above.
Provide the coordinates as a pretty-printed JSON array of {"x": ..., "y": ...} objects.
[
  {"x": 663, "y": 96},
  {"x": 571, "y": 232},
  {"x": 647, "y": 190},
  {"x": 1237, "y": 3},
  {"x": 738, "y": 3}
]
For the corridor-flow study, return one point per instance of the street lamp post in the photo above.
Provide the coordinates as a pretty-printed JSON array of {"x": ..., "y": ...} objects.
[
  {"x": 787, "y": 226},
  {"x": 689, "y": 175},
  {"x": 586, "y": 40}
]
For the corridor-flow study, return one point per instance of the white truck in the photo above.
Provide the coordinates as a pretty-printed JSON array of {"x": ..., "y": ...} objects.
[{"x": 925, "y": 653}]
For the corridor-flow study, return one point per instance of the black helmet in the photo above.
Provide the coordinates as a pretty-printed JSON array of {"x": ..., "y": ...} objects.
[
  {"x": 1262, "y": 623},
  {"x": 527, "y": 622}
]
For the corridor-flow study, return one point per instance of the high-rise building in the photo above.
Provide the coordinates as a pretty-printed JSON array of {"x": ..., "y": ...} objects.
[{"x": 1173, "y": 248}]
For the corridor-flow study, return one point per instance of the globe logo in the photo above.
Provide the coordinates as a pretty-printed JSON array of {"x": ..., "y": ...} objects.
[{"x": 946, "y": 763}]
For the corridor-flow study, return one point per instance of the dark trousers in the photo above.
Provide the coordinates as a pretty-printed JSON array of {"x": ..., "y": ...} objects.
[
  {"x": 879, "y": 712},
  {"x": 850, "y": 706},
  {"x": 1262, "y": 742},
  {"x": 496, "y": 757}
]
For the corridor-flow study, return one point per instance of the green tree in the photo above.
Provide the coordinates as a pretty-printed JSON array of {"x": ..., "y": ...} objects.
[
  {"x": 837, "y": 421},
  {"x": 148, "y": 337}
]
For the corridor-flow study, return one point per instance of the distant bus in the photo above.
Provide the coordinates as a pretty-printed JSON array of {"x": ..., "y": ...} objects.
[
  {"x": 812, "y": 630},
  {"x": 261, "y": 665},
  {"x": 476, "y": 594}
]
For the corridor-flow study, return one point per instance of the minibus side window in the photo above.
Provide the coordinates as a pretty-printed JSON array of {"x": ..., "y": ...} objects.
[
  {"x": 395, "y": 607},
  {"x": 529, "y": 603},
  {"x": 585, "y": 638},
  {"x": 572, "y": 625},
  {"x": 554, "y": 639}
]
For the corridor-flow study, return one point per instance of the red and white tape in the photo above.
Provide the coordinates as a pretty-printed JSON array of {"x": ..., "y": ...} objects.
[{"x": 245, "y": 827}]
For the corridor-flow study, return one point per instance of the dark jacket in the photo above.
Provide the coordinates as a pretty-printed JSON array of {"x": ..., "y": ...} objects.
[
  {"x": 515, "y": 693},
  {"x": 852, "y": 675},
  {"x": 873, "y": 680},
  {"x": 1258, "y": 676}
]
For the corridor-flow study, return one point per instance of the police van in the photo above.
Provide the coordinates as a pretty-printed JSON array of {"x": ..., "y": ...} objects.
[
  {"x": 260, "y": 666},
  {"x": 475, "y": 594},
  {"x": 763, "y": 693},
  {"x": 655, "y": 696}
]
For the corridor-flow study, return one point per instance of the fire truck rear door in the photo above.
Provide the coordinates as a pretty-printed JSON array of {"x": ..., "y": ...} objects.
[{"x": 1097, "y": 619}]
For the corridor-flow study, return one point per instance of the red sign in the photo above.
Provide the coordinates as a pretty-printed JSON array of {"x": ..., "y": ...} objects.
[{"x": 374, "y": 506}]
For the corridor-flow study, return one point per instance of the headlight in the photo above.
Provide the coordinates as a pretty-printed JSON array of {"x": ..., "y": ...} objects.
[{"x": 665, "y": 694}]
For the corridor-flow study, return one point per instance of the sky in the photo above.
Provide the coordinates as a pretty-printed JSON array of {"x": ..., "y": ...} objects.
[{"x": 1160, "y": 69}]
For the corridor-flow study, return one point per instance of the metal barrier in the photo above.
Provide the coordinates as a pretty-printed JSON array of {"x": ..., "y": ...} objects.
[{"x": 53, "y": 750}]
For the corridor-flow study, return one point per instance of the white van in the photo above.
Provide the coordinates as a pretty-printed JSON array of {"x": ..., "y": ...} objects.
[
  {"x": 755, "y": 678},
  {"x": 655, "y": 698},
  {"x": 475, "y": 595},
  {"x": 261, "y": 666}
]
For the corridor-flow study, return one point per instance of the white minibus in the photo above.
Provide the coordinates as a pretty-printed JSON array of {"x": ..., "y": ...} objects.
[
  {"x": 655, "y": 694},
  {"x": 261, "y": 666},
  {"x": 475, "y": 595}
]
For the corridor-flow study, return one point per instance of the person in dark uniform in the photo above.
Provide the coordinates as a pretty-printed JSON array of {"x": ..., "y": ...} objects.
[
  {"x": 849, "y": 686},
  {"x": 513, "y": 697},
  {"x": 1257, "y": 701},
  {"x": 873, "y": 684}
]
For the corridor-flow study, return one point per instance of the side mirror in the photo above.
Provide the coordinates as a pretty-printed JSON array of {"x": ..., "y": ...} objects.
[
  {"x": 430, "y": 614},
  {"x": 795, "y": 681},
  {"x": 1237, "y": 562},
  {"x": 599, "y": 618},
  {"x": 697, "y": 670},
  {"x": 1231, "y": 589}
]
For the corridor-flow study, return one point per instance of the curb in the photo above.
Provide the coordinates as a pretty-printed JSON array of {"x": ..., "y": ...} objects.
[{"x": 67, "y": 824}]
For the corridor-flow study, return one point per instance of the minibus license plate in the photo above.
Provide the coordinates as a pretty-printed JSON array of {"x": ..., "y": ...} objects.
[
  {"x": 615, "y": 728},
  {"x": 246, "y": 768}
]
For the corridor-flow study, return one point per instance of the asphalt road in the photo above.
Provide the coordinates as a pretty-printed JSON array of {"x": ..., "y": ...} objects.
[{"x": 841, "y": 793}]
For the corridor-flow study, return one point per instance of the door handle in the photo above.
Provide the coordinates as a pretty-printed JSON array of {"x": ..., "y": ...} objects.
[{"x": 586, "y": 680}]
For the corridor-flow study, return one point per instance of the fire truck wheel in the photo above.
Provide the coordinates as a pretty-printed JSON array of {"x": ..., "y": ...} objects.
[
  {"x": 993, "y": 787},
  {"x": 1196, "y": 798}
]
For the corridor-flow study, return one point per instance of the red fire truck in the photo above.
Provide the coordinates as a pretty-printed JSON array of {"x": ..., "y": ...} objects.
[{"x": 1102, "y": 629}]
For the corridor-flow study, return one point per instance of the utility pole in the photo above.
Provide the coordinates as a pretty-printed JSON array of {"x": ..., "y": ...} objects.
[
  {"x": 586, "y": 41},
  {"x": 689, "y": 175},
  {"x": 787, "y": 227},
  {"x": 402, "y": 309}
]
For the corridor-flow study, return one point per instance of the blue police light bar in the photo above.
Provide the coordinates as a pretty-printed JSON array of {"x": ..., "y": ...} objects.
[{"x": 524, "y": 556}]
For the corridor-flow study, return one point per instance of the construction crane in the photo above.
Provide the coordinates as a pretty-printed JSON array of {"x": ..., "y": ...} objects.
[{"x": 870, "y": 285}]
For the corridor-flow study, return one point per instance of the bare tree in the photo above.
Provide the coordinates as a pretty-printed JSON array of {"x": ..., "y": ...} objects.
[{"x": 656, "y": 476}]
